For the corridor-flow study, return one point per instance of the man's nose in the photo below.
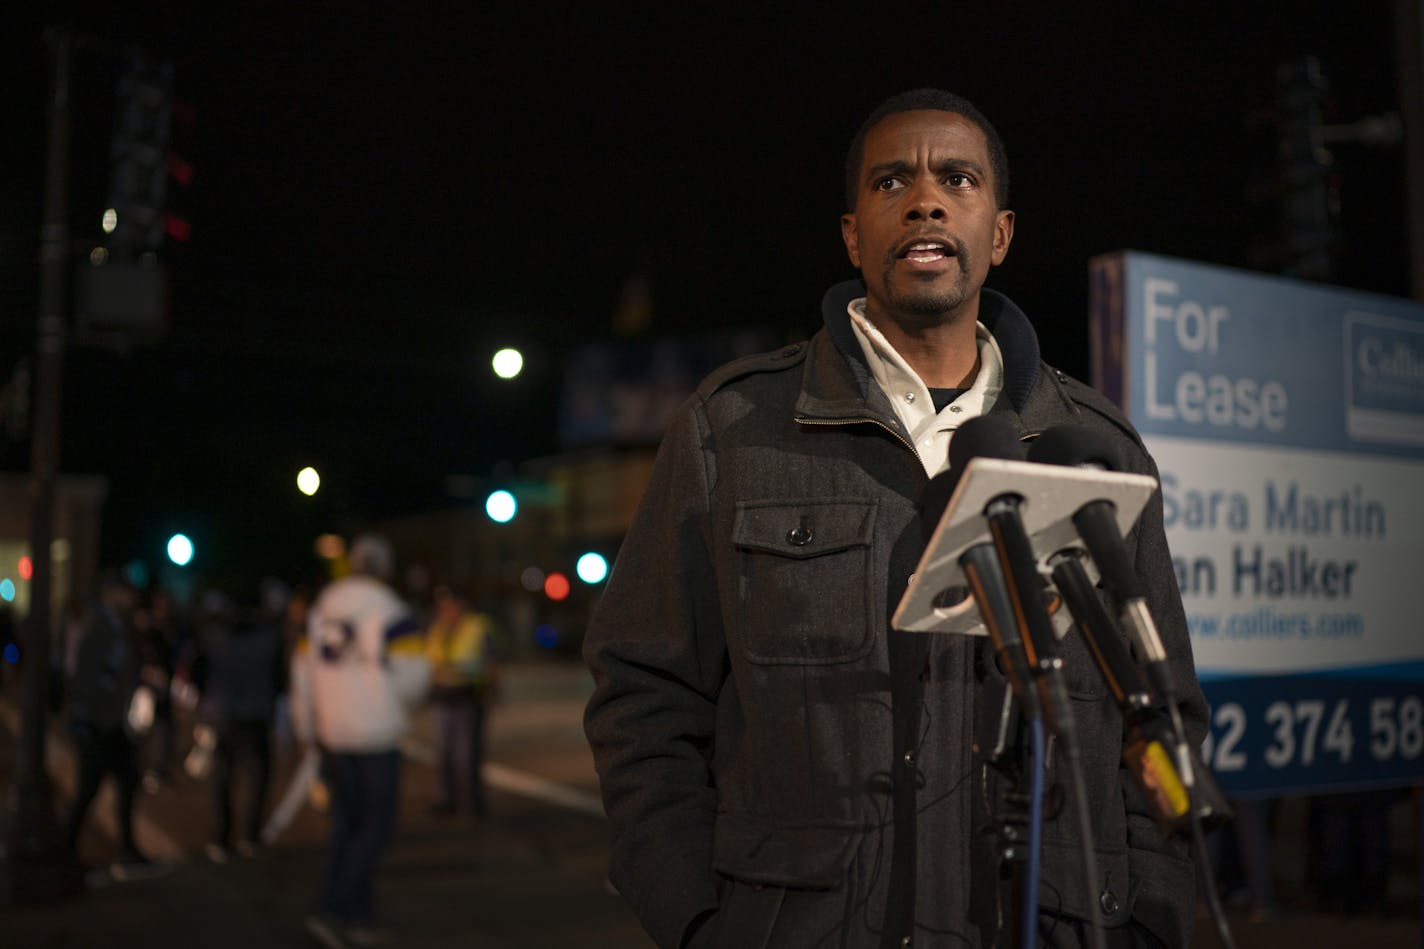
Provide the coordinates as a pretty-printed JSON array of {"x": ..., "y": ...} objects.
[{"x": 925, "y": 203}]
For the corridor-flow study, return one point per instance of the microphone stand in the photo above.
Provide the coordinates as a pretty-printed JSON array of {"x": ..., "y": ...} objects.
[
  {"x": 1174, "y": 782},
  {"x": 1015, "y": 550},
  {"x": 1016, "y": 815},
  {"x": 1005, "y": 892}
]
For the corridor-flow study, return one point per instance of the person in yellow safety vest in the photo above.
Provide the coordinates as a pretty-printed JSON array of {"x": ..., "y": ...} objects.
[{"x": 459, "y": 644}]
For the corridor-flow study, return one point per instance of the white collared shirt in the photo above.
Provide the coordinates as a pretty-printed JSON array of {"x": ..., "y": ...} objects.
[{"x": 929, "y": 431}]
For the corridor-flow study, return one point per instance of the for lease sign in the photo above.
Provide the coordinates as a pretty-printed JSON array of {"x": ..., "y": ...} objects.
[{"x": 1287, "y": 420}]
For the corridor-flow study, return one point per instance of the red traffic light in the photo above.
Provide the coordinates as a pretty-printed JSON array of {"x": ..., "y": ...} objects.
[
  {"x": 180, "y": 170},
  {"x": 177, "y": 228}
]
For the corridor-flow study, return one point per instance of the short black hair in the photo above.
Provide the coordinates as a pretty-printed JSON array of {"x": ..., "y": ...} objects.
[{"x": 937, "y": 100}]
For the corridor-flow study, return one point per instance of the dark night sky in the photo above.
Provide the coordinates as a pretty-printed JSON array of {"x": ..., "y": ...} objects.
[{"x": 384, "y": 196}]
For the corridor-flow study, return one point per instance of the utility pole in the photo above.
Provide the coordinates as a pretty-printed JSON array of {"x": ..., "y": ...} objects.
[
  {"x": 1409, "y": 36},
  {"x": 1308, "y": 202},
  {"x": 34, "y": 865}
]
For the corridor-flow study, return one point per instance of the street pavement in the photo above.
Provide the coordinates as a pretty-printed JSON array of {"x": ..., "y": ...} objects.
[{"x": 529, "y": 876}]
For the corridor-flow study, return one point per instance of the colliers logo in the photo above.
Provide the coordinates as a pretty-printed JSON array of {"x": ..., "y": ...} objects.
[
  {"x": 1384, "y": 378},
  {"x": 1389, "y": 362}
]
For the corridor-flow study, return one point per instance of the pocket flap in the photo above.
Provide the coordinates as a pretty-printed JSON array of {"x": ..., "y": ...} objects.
[
  {"x": 1063, "y": 877},
  {"x": 803, "y": 528},
  {"x": 805, "y": 857}
]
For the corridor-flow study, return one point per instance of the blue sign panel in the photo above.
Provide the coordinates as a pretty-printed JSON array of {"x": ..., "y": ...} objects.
[
  {"x": 1210, "y": 352},
  {"x": 1316, "y": 732}
]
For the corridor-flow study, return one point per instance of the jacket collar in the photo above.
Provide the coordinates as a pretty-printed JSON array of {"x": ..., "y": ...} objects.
[{"x": 830, "y": 391}]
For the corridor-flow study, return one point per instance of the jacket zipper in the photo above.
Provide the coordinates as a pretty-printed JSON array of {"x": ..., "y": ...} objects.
[{"x": 856, "y": 421}]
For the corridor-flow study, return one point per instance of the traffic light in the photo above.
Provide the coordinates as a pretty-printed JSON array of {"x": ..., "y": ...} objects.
[
  {"x": 138, "y": 184},
  {"x": 123, "y": 293}
]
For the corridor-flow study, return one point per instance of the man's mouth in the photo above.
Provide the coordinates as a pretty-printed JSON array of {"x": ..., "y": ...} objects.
[{"x": 926, "y": 251}]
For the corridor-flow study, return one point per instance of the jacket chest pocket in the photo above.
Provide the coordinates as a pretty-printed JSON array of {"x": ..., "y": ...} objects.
[{"x": 806, "y": 576}]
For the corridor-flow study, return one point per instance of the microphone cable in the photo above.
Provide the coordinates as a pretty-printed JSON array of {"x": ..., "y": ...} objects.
[{"x": 1036, "y": 766}]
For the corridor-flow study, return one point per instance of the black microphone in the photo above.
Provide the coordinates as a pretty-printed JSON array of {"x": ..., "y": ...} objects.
[
  {"x": 1150, "y": 736},
  {"x": 1099, "y": 631},
  {"x": 1175, "y": 789},
  {"x": 1096, "y": 522},
  {"x": 980, "y": 563},
  {"x": 991, "y": 437}
]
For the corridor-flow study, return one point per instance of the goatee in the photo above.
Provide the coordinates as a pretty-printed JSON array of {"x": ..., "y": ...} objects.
[{"x": 926, "y": 301}]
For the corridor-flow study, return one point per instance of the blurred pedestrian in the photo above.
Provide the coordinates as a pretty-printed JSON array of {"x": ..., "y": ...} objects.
[
  {"x": 158, "y": 645},
  {"x": 1243, "y": 857},
  {"x": 362, "y": 666},
  {"x": 294, "y": 624},
  {"x": 460, "y": 645},
  {"x": 239, "y": 672},
  {"x": 1349, "y": 849},
  {"x": 108, "y": 711}
]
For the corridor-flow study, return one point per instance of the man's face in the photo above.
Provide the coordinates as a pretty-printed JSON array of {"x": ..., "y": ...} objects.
[{"x": 926, "y": 227}]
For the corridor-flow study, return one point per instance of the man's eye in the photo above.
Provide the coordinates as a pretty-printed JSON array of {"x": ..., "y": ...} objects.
[
  {"x": 885, "y": 184},
  {"x": 959, "y": 180}
]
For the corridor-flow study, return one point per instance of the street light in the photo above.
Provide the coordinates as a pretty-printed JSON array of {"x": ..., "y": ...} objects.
[
  {"x": 180, "y": 550},
  {"x": 507, "y": 363},
  {"x": 308, "y": 481}
]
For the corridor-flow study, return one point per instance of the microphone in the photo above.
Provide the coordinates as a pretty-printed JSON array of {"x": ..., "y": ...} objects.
[
  {"x": 991, "y": 437},
  {"x": 1150, "y": 735},
  {"x": 953, "y": 504},
  {"x": 1096, "y": 522},
  {"x": 980, "y": 564},
  {"x": 1175, "y": 790}
]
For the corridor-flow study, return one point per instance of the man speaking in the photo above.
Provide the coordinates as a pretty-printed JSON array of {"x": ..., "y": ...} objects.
[{"x": 779, "y": 766}]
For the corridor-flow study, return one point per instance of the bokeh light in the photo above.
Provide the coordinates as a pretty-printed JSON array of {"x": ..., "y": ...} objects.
[
  {"x": 557, "y": 587},
  {"x": 180, "y": 550},
  {"x": 308, "y": 481},
  {"x": 507, "y": 363},
  {"x": 592, "y": 567},
  {"x": 501, "y": 507}
]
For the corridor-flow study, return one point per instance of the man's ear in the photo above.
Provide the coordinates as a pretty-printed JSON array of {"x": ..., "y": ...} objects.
[
  {"x": 851, "y": 236},
  {"x": 1003, "y": 236}
]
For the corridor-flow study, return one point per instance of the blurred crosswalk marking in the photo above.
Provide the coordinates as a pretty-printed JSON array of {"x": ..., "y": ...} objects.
[{"x": 516, "y": 782}]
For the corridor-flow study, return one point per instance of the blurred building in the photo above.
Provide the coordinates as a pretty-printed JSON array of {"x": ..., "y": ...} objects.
[
  {"x": 79, "y": 502},
  {"x": 568, "y": 506},
  {"x": 617, "y": 398}
]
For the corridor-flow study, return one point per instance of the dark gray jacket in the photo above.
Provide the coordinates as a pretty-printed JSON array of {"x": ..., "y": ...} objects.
[{"x": 779, "y": 766}]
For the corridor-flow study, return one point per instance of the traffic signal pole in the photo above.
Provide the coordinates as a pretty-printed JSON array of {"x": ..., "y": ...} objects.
[
  {"x": 34, "y": 865},
  {"x": 1409, "y": 39}
]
